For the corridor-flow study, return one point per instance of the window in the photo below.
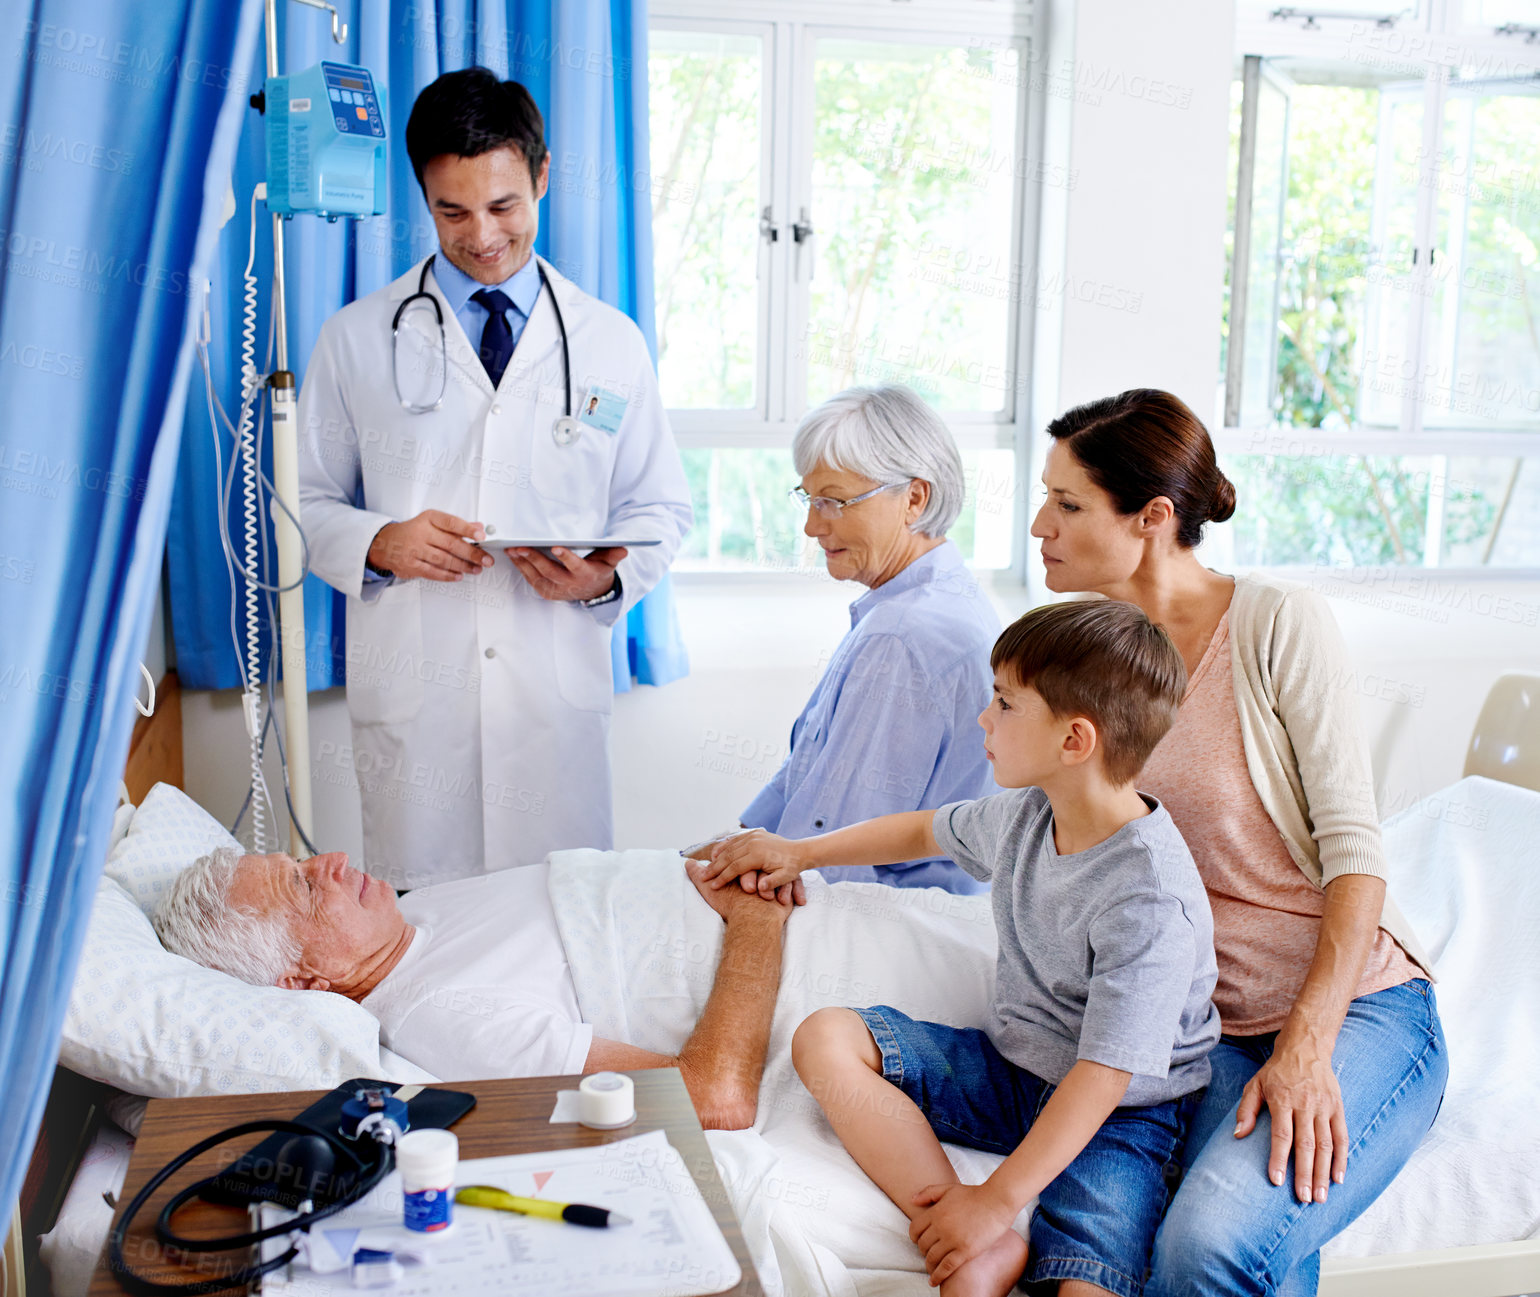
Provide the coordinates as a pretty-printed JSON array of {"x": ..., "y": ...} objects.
[
  {"x": 913, "y": 174},
  {"x": 1381, "y": 384},
  {"x": 1490, "y": 14},
  {"x": 836, "y": 204},
  {"x": 750, "y": 523},
  {"x": 706, "y": 92},
  {"x": 1313, "y": 13}
]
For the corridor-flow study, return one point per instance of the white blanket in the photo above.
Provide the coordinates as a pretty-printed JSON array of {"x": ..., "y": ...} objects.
[
  {"x": 643, "y": 949},
  {"x": 1467, "y": 875}
]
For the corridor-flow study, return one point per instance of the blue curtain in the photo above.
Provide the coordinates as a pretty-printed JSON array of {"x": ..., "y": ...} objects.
[
  {"x": 120, "y": 127},
  {"x": 586, "y": 65}
]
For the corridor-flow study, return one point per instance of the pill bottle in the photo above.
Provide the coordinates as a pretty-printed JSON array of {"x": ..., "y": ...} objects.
[{"x": 426, "y": 1160}]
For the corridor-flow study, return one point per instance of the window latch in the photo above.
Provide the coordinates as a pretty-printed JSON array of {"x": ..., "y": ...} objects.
[
  {"x": 802, "y": 235},
  {"x": 767, "y": 228}
]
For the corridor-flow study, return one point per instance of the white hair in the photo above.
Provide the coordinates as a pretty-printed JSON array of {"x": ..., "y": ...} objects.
[
  {"x": 887, "y": 434},
  {"x": 196, "y": 920}
]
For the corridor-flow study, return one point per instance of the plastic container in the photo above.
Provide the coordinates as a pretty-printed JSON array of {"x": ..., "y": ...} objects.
[{"x": 426, "y": 1160}]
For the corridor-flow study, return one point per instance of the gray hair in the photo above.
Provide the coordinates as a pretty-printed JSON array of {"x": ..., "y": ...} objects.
[
  {"x": 196, "y": 920},
  {"x": 887, "y": 434}
]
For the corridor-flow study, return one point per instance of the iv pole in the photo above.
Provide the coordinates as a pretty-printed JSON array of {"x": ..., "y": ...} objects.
[{"x": 291, "y": 602}]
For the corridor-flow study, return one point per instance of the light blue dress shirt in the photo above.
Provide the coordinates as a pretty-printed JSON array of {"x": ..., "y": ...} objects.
[
  {"x": 893, "y": 724},
  {"x": 522, "y": 287}
]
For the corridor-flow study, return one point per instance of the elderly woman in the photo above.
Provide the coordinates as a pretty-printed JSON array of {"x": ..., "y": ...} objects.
[
  {"x": 891, "y": 725},
  {"x": 1332, "y": 1048}
]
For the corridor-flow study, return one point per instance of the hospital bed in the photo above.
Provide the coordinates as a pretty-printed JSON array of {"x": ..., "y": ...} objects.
[
  {"x": 1467, "y": 873},
  {"x": 1464, "y": 1217}
]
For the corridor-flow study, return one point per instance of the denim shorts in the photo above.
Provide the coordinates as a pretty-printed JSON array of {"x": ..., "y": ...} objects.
[{"x": 1097, "y": 1220}]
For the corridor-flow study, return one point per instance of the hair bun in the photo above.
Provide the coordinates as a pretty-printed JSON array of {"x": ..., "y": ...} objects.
[{"x": 1222, "y": 506}]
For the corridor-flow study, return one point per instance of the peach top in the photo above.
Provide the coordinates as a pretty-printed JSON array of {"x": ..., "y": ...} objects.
[{"x": 1267, "y": 914}]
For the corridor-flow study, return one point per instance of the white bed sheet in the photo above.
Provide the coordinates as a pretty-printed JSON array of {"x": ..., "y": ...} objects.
[
  {"x": 70, "y": 1250},
  {"x": 1467, "y": 873}
]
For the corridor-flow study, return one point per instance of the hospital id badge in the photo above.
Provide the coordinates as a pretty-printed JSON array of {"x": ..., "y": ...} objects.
[{"x": 602, "y": 410}]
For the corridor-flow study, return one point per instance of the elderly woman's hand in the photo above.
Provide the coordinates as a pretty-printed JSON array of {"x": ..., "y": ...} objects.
[{"x": 776, "y": 860}]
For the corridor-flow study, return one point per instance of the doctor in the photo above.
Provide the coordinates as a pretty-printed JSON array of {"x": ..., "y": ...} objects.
[{"x": 483, "y": 395}]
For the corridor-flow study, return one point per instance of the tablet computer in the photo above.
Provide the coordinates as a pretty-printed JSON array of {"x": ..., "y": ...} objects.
[{"x": 497, "y": 544}]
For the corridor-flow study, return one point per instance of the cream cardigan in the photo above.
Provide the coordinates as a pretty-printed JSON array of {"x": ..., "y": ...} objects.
[{"x": 1305, "y": 748}]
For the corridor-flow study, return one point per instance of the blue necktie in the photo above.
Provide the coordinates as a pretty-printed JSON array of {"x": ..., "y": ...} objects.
[{"x": 496, "y": 337}]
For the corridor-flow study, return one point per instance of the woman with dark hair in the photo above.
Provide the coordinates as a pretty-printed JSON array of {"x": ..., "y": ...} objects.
[{"x": 1332, "y": 1047}]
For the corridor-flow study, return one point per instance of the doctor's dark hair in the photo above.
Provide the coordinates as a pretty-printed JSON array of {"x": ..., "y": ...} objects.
[
  {"x": 1145, "y": 443},
  {"x": 1105, "y": 660},
  {"x": 471, "y": 112}
]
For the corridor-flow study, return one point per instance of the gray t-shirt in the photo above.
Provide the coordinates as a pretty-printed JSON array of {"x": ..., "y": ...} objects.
[{"x": 1106, "y": 954}]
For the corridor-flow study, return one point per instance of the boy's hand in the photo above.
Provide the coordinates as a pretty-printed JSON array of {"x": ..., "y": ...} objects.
[
  {"x": 777, "y": 860},
  {"x": 734, "y": 905},
  {"x": 960, "y": 1222}
]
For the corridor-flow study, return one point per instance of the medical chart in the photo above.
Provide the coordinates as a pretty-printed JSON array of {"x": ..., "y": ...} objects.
[{"x": 672, "y": 1246}]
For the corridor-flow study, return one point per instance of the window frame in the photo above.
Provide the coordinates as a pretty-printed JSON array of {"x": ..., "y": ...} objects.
[
  {"x": 793, "y": 29},
  {"x": 1437, "y": 28}
]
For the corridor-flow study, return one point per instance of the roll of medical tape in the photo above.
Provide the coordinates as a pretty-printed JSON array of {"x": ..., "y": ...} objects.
[{"x": 606, "y": 1100}]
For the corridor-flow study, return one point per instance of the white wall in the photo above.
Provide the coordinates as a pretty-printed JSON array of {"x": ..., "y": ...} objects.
[{"x": 1135, "y": 102}]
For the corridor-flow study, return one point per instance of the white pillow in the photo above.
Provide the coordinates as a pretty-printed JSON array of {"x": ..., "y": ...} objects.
[
  {"x": 167, "y": 833},
  {"x": 153, "y": 1023}
]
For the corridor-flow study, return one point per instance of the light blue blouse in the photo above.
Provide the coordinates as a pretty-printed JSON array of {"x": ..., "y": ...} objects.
[{"x": 893, "y": 724}]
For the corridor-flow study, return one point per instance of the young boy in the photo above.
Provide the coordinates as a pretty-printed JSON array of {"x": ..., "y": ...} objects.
[{"x": 1102, "y": 1021}]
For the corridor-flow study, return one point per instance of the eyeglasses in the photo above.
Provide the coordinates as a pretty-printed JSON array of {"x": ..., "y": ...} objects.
[{"x": 828, "y": 507}]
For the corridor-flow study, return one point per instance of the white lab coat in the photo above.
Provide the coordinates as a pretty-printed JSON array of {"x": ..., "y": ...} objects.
[{"x": 480, "y": 711}]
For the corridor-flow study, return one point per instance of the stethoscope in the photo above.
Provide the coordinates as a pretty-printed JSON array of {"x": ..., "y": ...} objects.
[{"x": 564, "y": 431}]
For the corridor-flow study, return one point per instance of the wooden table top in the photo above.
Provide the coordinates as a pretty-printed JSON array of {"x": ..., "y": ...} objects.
[{"x": 510, "y": 1117}]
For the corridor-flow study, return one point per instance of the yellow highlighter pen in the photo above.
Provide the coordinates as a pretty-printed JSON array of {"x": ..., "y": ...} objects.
[{"x": 574, "y": 1213}]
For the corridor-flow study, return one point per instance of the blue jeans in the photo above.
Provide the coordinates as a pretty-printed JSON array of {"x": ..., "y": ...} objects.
[
  {"x": 1096, "y": 1220},
  {"x": 1230, "y": 1230}
]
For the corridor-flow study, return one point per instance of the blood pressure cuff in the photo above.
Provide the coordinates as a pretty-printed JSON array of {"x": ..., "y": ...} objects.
[{"x": 263, "y": 1174}]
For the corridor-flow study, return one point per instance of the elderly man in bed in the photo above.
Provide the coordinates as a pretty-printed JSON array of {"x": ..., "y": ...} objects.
[{"x": 469, "y": 979}]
